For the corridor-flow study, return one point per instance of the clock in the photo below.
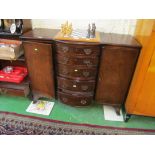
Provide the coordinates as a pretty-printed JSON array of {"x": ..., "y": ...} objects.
[
  {"x": 19, "y": 25},
  {"x": 13, "y": 28},
  {"x": 1, "y": 24}
]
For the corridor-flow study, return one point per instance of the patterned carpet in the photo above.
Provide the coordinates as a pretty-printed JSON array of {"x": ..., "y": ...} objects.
[{"x": 17, "y": 124}]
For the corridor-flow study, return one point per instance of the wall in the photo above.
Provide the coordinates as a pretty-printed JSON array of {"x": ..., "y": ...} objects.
[{"x": 121, "y": 26}]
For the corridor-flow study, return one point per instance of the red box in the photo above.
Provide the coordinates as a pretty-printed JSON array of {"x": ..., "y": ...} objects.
[{"x": 17, "y": 75}]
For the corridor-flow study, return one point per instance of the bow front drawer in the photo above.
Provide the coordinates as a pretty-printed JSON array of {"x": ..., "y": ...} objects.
[
  {"x": 72, "y": 50},
  {"x": 76, "y": 72},
  {"x": 88, "y": 61},
  {"x": 75, "y": 85},
  {"x": 74, "y": 99}
]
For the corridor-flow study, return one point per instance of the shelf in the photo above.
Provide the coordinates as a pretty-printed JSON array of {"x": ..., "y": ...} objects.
[
  {"x": 15, "y": 89},
  {"x": 9, "y": 34},
  {"x": 21, "y": 58},
  {"x": 26, "y": 81}
]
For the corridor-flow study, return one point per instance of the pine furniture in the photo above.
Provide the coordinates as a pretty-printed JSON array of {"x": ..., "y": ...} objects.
[{"x": 141, "y": 97}]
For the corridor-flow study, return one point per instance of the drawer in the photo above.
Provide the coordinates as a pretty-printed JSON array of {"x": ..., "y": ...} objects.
[
  {"x": 74, "y": 99},
  {"x": 76, "y": 72},
  {"x": 89, "y": 61},
  {"x": 72, "y": 50},
  {"x": 75, "y": 85}
]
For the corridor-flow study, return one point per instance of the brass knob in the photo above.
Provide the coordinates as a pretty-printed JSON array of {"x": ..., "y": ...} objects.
[
  {"x": 35, "y": 49},
  {"x": 74, "y": 86},
  {"x": 83, "y": 101},
  {"x": 75, "y": 70}
]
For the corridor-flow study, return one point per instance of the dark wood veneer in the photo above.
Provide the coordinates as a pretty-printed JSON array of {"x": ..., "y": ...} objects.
[
  {"x": 77, "y": 49},
  {"x": 40, "y": 68},
  {"x": 76, "y": 85},
  {"x": 77, "y": 72},
  {"x": 75, "y": 99},
  {"x": 115, "y": 73},
  {"x": 89, "y": 61}
]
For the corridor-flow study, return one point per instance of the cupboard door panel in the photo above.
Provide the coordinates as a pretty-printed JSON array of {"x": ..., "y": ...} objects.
[
  {"x": 115, "y": 73},
  {"x": 40, "y": 67}
]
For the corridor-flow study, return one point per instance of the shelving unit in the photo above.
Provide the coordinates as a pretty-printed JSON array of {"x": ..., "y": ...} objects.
[{"x": 21, "y": 89}]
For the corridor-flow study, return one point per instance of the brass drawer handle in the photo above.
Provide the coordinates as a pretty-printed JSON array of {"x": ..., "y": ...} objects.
[
  {"x": 65, "y": 60},
  {"x": 83, "y": 101},
  {"x": 84, "y": 87},
  {"x": 65, "y": 49},
  {"x": 86, "y": 74},
  {"x": 88, "y": 62},
  {"x": 64, "y": 99},
  {"x": 87, "y": 51}
]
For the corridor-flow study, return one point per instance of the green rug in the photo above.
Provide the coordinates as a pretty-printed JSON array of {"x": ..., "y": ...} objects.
[{"x": 92, "y": 115}]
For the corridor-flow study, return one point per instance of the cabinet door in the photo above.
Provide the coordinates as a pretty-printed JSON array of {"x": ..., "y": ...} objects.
[
  {"x": 117, "y": 65},
  {"x": 40, "y": 67}
]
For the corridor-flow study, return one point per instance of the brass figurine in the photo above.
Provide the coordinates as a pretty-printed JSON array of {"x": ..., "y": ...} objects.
[{"x": 66, "y": 29}]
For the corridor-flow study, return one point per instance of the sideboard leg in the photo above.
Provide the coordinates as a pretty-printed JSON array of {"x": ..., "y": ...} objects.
[
  {"x": 117, "y": 109},
  {"x": 30, "y": 96}
]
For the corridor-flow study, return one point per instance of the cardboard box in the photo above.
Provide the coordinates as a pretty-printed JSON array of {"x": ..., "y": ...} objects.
[{"x": 10, "y": 49}]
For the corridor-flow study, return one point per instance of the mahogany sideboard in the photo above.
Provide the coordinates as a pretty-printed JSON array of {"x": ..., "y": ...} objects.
[{"x": 78, "y": 73}]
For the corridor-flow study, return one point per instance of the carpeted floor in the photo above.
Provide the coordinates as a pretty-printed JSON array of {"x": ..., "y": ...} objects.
[{"x": 18, "y": 124}]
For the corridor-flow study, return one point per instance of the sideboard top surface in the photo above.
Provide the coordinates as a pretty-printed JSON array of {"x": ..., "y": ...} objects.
[
  {"x": 119, "y": 39},
  {"x": 40, "y": 34},
  {"x": 106, "y": 38}
]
